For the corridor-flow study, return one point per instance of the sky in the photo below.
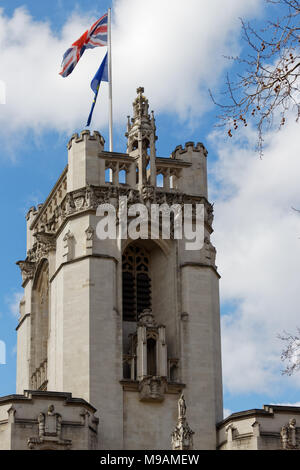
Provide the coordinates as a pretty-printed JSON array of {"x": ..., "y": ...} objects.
[{"x": 176, "y": 53}]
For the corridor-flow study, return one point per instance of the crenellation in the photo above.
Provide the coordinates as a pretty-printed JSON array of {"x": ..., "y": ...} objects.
[
  {"x": 31, "y": 211},
  {"x": 86, "y": 135},
  {"x": 75, "y": 136},
  {"x": 188, "y": 147}
]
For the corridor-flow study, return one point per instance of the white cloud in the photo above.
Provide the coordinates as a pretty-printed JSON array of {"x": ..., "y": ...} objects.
[
  {"x": 226, "y": 413},
  {"x": 287, "y": 404},
  {"x": 257, "y": 237},
  {"x": 176, "y": 52},
  {"x": 2, "y": 352},
  {"x": 2, "y": 92},
  {"x": 14, "y": 303}
]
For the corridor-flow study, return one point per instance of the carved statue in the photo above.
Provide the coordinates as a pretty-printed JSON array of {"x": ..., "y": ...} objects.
[
  {"x": 181, "y": 407},
  {"x": 41, "y": 421},
  {"x": 89, "y": 233},
  {"x": 288, "y": 435},
  {"x": 292, "y": 432},
  {"x": 182, "y": 436}
]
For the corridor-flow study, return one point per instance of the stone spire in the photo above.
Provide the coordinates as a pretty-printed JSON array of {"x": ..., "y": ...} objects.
[
  {"x": 182, "y": 436},
  {"x": 141, "y": 138}
]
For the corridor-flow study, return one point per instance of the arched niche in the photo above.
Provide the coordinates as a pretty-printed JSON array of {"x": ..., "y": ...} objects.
[
  {"x": 160, "y": 268},
  {"x": 40, "y": 326}
]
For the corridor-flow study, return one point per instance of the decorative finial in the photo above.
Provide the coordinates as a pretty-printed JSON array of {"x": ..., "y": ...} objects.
[
  {"x": 128, "y": 123},
  {"x": 182, "y": 436},
  {"x": 140, "y": 89},
  {"x": 146, "y": 318}
]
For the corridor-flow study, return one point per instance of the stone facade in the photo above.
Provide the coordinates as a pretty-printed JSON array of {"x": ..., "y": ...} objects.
[
  {"x": 78, "y": 331},
  {"x": 125, "y": 325},
  {"x": 40, "y": 420},
  {"x": 271, "y": 428}
]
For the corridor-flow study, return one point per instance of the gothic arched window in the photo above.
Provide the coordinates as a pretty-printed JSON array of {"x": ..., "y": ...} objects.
[
  {"x": 136, "y": 282},
  {"x": 151, "y": 356}
]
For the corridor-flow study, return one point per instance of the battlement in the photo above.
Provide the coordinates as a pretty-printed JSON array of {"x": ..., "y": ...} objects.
[
  {"x": 31, "y": 211},
  {"x": 84, "y": 136},
  {"x": 189, "y": 146}
]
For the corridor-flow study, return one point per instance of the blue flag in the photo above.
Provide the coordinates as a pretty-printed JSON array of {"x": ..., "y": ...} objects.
[{"x": 101, "y": 76}]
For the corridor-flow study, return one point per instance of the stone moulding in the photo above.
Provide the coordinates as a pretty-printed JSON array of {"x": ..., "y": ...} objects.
[
  {"x": 172, "y": 388},
  {"x": 45, "y": 243},
  {"x": 90, "y": 197}
]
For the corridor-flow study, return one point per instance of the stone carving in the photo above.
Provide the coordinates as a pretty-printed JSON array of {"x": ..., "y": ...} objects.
[
  {"x": 68, "y": 236},
  {"x": 147, "y": 358},
  {"x": 209, "y": 252},
  {"x": 147, "y": 319},
  {"x": 79, "y": 202},
  {"x": 69, "y": 246},
  {"x": 148, "y": 194},
  {"x": 256, "y": 429},
  {"x": 27, "y": 269},
  {"x": 288, "y": 435},
  {"x": 152, "y": 389},
  {"x": 181, "y": 407},
  {"x": 182, "y": 436},
  {"x": 11, "y": 414},
  {"x": 45, "y": 242},
  {"x": 84, "y": 415},
  {"x": 69, "y": 204},
  {"x": 89, "y": 233},
  {"x": 92, "y": 196},
  {"x": 49, "y": 431},
  {"x": 210, "y": 214},
  {"x": 141, "y": 121}
]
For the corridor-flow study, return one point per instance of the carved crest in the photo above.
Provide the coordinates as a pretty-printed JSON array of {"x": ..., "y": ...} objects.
[{"x": 49, "y": 431}]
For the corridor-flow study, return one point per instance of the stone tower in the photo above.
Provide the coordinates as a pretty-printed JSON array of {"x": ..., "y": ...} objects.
[{"x": 126, "y": 325}]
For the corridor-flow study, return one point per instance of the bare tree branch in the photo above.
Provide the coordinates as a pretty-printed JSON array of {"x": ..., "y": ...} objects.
[
  {"x": 291, "y": 353},
  {"x": 269, "y": 85}
]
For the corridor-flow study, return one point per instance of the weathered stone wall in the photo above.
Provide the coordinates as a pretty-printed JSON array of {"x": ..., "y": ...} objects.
[
  {"x": 271, "y": 428},
  {"x": 47, "y": 420}
]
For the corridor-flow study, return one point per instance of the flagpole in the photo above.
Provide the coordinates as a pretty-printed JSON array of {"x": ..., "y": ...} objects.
[{"x": 110, "y": 110}]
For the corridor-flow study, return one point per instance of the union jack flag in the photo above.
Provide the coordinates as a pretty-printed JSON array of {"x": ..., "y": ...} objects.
[{"x": 93, "y": 37}]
